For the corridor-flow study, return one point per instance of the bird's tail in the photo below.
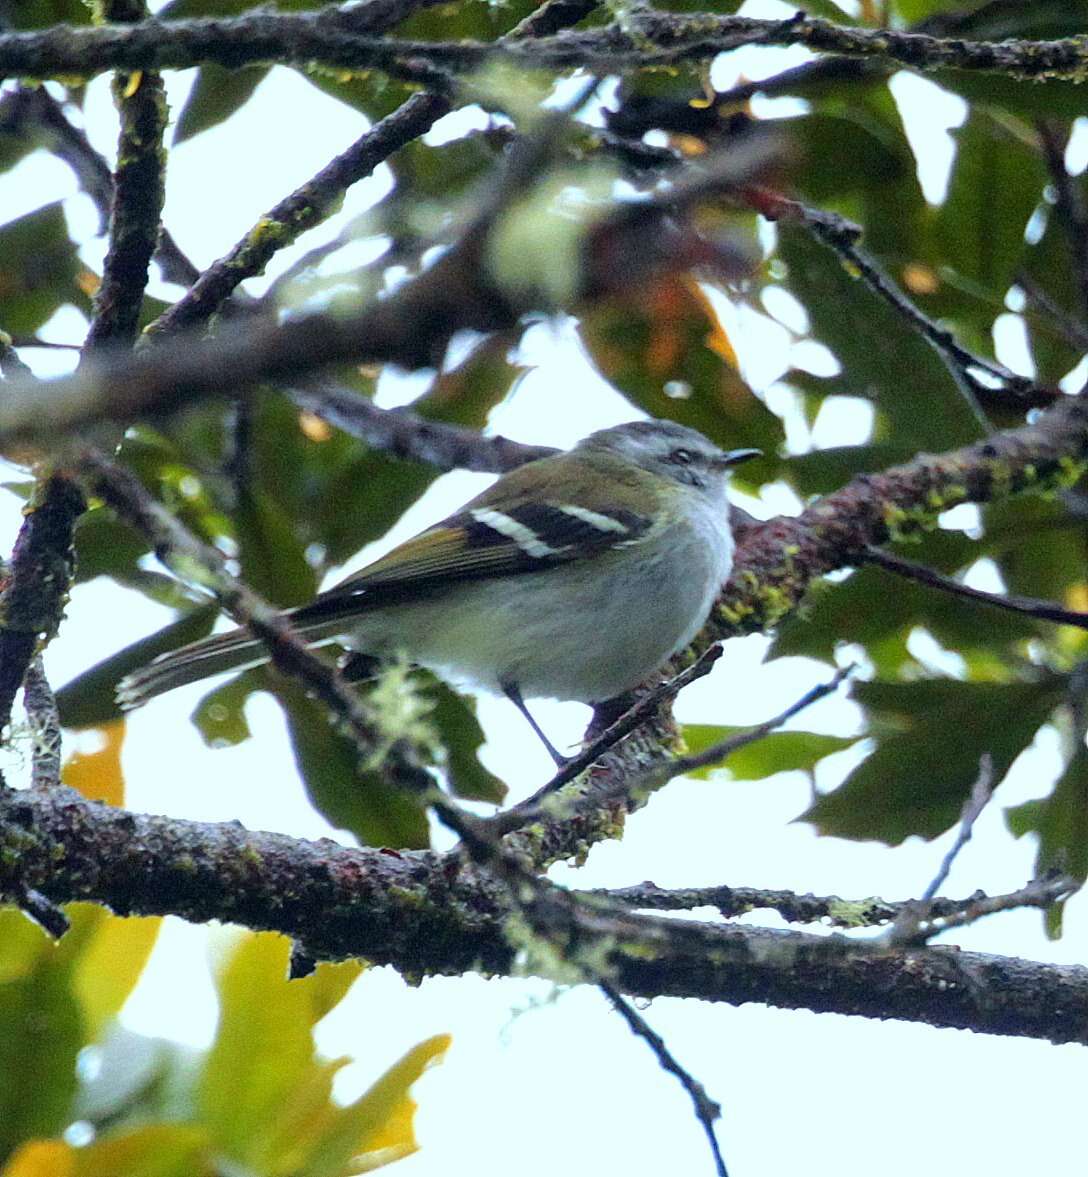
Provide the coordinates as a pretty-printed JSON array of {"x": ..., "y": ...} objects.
[{"x": 237, "y": 650}]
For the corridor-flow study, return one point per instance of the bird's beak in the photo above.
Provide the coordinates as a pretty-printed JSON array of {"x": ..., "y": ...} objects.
[{"x": 735, "y": 457}]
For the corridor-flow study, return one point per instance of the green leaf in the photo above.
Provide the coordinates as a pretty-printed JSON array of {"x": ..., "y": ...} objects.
[
  {"x": 272, "y": 558},
  {"x": 41, "y": 1033},
  {"x": 777, "y": 752},
  {"x": 1058, "y": 98},
  {"x": 111, "y": 962},
  {"x": 930, "y": 736},
  {"x": 349, "y": 796},
  {"x": 822, "y": 471},
  {"x": 263, "y": 1048},
  {"x": 220, "y": 716},
  {"x": 1048, "y": 264},
  {"x": 38, "y": 269},
  {"x": 459, "y": 731},
  {"x": 106, "y": 545},
  {"x": 996, "y": 184},
  {"x": 1060, "y": 822},
  {"x": 662, "y": 346},
  {"x": 37, "y": 14},
  {"x": 926, "y": 412},
  {"x": 88, "y": 700},
  {"x": 217, "y": 94}
]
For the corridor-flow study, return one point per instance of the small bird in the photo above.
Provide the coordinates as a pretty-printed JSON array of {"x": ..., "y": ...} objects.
[{"x": 572, "y": 577}]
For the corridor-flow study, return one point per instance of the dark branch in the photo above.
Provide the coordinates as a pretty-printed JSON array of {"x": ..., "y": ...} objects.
[
  {"x": 426, "y": 916},
  {"x": 36, "y": 586},
  {"x": 1029, "y": 606},
  {"x": 707, "y": 1112},
  {"x": 647, "y": 38},
  {"x": 404, "y": 434},
  {"x": 138, "y": 194}
]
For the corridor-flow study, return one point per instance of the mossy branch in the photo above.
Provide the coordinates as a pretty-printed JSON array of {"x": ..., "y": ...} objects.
[{"x": 645, "y": 38}]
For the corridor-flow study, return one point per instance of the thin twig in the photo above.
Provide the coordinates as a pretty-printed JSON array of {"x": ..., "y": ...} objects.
[
  {"x": 719, "y": 751},
  {"x": 841, "y": 236},
  {"x": 707, "y": 1111},
  {"x": 407, "y": 435},
  {"x": 1073, "y": 333},
  {"x": 906, "y": 928},
  {"x": 41, "y": 711},
  {"x": 531, "y": 808},
  {"x": 833, "y": 910},
  {"x": 306, "y": 207},
  {"x": 1028, "y": 606},
  {"x": 41, "y": 909}
]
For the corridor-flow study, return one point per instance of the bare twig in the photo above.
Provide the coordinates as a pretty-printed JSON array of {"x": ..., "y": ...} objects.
[
  {"x": 707, "y": 1111},
  {"x": 406, "y": 435},
  {"x": 41, "y": 909},
  {"x": 1038, "y": 893},
  {"x": 41, "y": 711},
  {"x": 1028, "y": 606},
  {"x": 906, "y": 928},
  {"x": 841, "y": 236},
  {"x": 833, "y": 910},
  {"x": 719, "y": 751},
  {"x": 306, "y": 207}
]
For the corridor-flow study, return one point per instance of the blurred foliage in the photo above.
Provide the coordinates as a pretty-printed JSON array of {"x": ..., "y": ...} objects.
[{"x": 258, "y": 1101}]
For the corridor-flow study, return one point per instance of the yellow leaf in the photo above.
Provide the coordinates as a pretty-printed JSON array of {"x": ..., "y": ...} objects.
[
  {"x": 262, "y": 1051},
  {"x": 97, "y": 775},
  {"x": 41, "y": 1158},
  {"x": 155, "y": 1150},
  {"x": 110, "y": 966},
  {"x": 133, "y": 83},
  {"x": 385, "y": 1114},
  {"x": 328, "y": 984}
]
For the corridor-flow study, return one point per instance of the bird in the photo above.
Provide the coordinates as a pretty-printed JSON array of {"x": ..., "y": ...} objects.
[{"x": 574, "y": 577}]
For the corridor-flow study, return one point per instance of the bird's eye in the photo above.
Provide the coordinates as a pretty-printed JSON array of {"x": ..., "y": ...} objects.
[{"x": 682, "y": 457}]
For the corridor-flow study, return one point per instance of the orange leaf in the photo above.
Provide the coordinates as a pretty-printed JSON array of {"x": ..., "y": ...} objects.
[{"x": 97, "y": 775}]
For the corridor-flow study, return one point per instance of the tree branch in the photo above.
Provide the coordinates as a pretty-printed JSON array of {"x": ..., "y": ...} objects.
[
  {"x": 306, "y": 207},
  {"x": 646, "y": 38},
  {"x": 138, "y": 194},
  {"x": 425, "y": 914}
]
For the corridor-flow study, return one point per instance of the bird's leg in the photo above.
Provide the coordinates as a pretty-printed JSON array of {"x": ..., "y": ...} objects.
[{"x": 514, "y": 695}]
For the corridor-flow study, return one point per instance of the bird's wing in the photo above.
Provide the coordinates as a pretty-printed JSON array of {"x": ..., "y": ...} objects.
[{"x": 521, "y": 524}]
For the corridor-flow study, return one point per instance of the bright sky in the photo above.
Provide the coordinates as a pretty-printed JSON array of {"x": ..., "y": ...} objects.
[{"x": 538, "y": 1077}]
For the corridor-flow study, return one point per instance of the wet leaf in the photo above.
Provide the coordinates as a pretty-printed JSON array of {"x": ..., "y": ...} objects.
[{"x": 930, "y": 737}]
